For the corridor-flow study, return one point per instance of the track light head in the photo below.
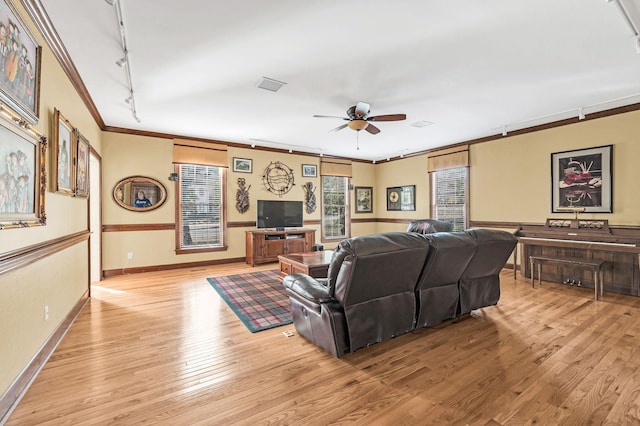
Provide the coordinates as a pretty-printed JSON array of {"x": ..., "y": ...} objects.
[
  {"x": 120, "y": 62},
  {"x": 110, "y": 2},
  {"x": 581, "y": 115},
  {"x": 129, "y": 99}
]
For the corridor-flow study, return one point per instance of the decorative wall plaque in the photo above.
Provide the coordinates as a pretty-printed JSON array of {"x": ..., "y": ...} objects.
[{"x": 278, "y": 178}]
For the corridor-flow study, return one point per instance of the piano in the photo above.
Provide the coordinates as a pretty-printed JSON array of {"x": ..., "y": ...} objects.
[{"x": 617, "y": 246}]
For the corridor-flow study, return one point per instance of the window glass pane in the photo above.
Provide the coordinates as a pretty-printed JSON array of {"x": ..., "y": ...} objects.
[
  {"x": 200, "y": 206},
  {"x": 335, "y": 207},
  {"x": 449, "y": 196}
]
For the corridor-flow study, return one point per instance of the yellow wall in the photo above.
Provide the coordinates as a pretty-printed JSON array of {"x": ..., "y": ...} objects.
[
  {"x": 406, "y": 171},
  {"x": 510, "y": 178},
  {"x": 59, "y": 280}
]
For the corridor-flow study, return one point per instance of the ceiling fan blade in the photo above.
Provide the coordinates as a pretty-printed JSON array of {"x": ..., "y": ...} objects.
[
  {"x": 330, "y": 116},
  {"x": 362, "y": 110},
  {"x": 372, "y": 129},
  {"x": 389, "y": 117},
  {"x": 338, "y": 128}
]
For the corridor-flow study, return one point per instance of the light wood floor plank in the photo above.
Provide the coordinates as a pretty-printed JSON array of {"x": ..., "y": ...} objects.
[{"x": 163, "y": 348}]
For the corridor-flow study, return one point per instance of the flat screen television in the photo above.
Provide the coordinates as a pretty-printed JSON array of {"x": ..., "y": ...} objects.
[{"x": 279, "y": 214}]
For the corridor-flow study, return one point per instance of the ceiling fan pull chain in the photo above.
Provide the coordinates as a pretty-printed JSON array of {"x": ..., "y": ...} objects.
[{"x": 358, "y": 141}]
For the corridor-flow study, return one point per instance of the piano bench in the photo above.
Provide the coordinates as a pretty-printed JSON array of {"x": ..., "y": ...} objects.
[{"x": 593, "y": 265}]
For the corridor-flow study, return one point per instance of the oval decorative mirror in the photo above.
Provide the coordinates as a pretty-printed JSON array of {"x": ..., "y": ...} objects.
[{"x": 139, "y": 193}]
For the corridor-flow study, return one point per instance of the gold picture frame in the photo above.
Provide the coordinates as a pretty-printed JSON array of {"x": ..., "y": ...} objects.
[
  {"x": 24, "y": 174},
  {"x": 63, "y": 154},
  {"x": 20, "y": 86},
  {"x": 82, "y": 166}
]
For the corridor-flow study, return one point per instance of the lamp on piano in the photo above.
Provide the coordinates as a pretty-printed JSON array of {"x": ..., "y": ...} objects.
[{"x": 575, "y": 210}]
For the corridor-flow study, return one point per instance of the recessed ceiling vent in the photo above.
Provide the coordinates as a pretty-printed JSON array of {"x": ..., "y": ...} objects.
[
  {"x": 422, "y": 123},
  {"x": 270, "y": 84}
]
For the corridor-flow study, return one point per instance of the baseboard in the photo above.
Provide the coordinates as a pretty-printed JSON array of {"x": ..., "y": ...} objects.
[
  {"x": 19, "y": 387},
  {"x": 125, "y": 271}
]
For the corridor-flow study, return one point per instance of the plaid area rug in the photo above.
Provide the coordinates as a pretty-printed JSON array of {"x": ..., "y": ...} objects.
[{"x": 257, "y": 298}]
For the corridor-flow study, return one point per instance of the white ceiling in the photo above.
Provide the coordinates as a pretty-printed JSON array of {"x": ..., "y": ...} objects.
[{"x": 471, "y": 67}]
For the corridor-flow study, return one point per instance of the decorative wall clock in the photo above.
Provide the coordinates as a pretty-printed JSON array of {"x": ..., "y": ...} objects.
[{"x": 278, "y": 178}]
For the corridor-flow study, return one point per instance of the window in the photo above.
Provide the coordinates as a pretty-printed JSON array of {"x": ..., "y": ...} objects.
[
  {"x": 449, "y": 196},
  {"x": 201, "y": 220},
  {"x": 335, "y": 207}
]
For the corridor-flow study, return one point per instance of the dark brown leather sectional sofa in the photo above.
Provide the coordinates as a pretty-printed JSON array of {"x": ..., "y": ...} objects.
[{"x": 383, "y": 285}]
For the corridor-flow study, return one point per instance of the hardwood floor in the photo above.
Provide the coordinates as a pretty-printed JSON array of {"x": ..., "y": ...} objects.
[{"x": 163, "y": 348}]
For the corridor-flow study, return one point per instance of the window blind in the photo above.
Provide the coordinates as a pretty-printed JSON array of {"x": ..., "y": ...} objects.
[
  {"x": 449, "y": 196},
  {"x": 335, "y": 206},
  {"x": 201, "y": 206}
]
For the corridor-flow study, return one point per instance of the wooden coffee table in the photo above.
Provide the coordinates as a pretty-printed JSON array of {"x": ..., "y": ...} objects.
[{"x": 313, "y": 263}]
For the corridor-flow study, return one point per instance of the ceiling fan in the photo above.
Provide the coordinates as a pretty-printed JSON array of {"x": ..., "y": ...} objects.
[{"x": 359, "y": 119}]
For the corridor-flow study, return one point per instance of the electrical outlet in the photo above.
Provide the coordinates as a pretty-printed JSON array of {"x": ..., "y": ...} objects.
[
  {"x": 46, "y": 312},
  {"x": 130, "y": 255}
]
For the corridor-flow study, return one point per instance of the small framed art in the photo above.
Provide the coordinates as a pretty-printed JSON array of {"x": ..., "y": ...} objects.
[
  {"x": 82, "y": 167},
  {"x": 242, "y": 165},
  {"x": 309, "y": 170},
  {"x": 401, "y": 198},
  {"x": 364, "y": 199}
]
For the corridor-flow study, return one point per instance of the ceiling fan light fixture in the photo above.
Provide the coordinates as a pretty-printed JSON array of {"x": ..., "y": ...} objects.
[{"x": 357, "y": 125}]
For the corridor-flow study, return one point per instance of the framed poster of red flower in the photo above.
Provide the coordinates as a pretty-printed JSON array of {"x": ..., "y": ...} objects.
[
  {"x": 582, "y": 178},
  {"x": 20, "y": 71}
]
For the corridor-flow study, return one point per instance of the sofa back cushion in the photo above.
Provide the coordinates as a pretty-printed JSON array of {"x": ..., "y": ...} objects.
[
  {"x": 480, "y": 282},
  {"x": 494, "y": 248},
  {"x": 375, "y": 278},
  {"x": 448, "y": 258},
  {"x": 437, "y": 290}
]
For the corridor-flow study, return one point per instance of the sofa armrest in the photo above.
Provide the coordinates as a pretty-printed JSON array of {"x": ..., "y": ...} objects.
[{"x": 307, "y": 288}]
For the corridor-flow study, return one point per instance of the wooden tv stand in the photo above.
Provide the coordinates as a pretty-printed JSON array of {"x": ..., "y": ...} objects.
[{"x": 265, "y": 246}]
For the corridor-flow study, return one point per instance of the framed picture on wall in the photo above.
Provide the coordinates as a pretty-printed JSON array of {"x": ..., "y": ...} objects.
[
  {"x": 309, "y": 170},
  {"x": 364, "y": 199},
  {"x": 63, "y": 154},
  {"x": 242, "y": 165},
  {"x": 582, "y": 179},
  {"x": 23, "y": 179},
  {"x": 401, "y": 198},
  {"x": 82, "y": 167},
  {"x": 393, "y": 198},
  {"x": 20, "y": 78}
]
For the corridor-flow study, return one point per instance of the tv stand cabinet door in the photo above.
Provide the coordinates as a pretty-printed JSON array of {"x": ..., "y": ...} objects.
[
  {"x": 273, "y": 249},
  {"x": 296, "y": 245}
]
